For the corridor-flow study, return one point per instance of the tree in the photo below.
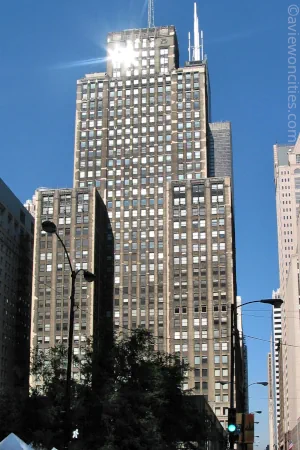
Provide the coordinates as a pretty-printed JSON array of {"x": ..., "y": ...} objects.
[
  {"x": 129, "y": 398},
  {"x": 141, "y": 403},
  {"x": 44, "y": 416}
]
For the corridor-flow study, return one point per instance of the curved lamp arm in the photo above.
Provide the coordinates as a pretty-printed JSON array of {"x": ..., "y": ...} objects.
[
  {"x": 268, "y": 301},
  {"x": 66, "y": 251}
]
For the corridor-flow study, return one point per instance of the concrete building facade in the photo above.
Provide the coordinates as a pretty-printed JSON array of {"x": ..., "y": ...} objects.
[
  {"x": 290, "y": 349},
  {"x": 16, "y": 248},
  {"x": 287, "y": 182},
  {"x": 136, "y": 129},
  {"x": 83, "y": 225},
  {"x": 140, "y": 126},
  {"x": 287, "y": 185},
  {"x": 220, "y": 150},
  {"x": 30, "y": 206},
  {"x": 201, "y": 284}
]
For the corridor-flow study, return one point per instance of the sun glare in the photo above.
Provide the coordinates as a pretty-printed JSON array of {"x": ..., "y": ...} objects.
[{"x": 123, "y": 55}]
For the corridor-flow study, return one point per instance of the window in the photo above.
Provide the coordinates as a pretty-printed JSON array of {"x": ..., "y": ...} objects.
[
  {"x": 197, "y": 386},
  {"x": 225, "y": 372}
]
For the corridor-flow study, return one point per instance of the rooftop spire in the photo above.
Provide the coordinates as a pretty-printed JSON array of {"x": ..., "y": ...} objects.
[
  {"x": 151, "y": 14},
  {"x": 198, "y": 51},
  {"x": 196, "y": 35}
]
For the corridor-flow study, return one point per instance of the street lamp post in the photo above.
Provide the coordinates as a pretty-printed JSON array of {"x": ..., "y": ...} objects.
[
  {"x": 271, "y": 301},
  {"x": 50, "y": 227}
]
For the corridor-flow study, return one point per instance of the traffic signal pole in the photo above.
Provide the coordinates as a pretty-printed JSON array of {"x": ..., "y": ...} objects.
[{"x": 232, "y": 344}]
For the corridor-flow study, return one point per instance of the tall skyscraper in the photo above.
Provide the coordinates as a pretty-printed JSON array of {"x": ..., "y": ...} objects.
[
  {"x": 138, "y": 127},
  {"x": 83, "y": 225},
  {"x": 30, "y": 206},
  {"x": 287, "y": 183},
  {"x": 142, "y": 139},
  {"x": 16, "y": 247},
  {"x": 220, "y": 150}
]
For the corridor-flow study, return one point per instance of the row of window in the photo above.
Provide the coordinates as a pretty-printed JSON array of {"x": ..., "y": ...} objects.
[
  {"x": 140, "y": 100},
  {"x": 137, "y": 91},
  {"x": 181, "y": 76}
]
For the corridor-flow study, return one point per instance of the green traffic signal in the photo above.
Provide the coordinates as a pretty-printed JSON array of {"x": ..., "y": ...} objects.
[{"x": 231, "y": 420}]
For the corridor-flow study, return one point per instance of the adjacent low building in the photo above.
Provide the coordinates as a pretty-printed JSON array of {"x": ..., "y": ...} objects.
[
  {"x": 201, "y": 284},
  {"x": 220, "y": 150},
  {"x": 83, "y": 225},
  {"x": 16, "y": 247}
]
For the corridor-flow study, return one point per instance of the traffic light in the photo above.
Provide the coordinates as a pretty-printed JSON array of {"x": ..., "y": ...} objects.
[{"x": 232, "y": 428}]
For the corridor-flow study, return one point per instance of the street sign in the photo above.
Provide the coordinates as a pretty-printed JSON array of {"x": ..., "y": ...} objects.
[{"x": 249, "y": 429}]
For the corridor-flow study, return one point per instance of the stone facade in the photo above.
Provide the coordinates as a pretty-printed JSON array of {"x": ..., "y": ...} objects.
[
  {"x": 141, "y": 126},
  {"x": 16, "y": 247},
  {"x": 83, "y": 225}
]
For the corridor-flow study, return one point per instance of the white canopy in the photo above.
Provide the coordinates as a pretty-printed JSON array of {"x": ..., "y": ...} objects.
[{"x": 12, "y": 442}]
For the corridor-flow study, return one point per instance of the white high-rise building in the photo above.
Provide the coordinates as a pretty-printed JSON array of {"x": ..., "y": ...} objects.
[
  {"x": 286, "y": 320},
  {"x": 287, "y": 185},
  {"x": 276, "y": 339}
]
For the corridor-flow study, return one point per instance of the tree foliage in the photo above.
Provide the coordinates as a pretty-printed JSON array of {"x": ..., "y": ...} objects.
[{"x": 129, "y": 398}]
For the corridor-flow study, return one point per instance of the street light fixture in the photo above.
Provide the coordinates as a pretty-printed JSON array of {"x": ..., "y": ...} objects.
[
  {"x": 262, "y": 383},
  {"x": 257, "y": 412},
  {"x": 276, "y": 302},
  {"x": 50, "y": 227},
  {"x": 256, "y": 423}
]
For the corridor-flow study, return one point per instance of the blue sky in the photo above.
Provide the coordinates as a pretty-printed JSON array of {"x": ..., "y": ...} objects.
[{"x": 246, "y": 44}]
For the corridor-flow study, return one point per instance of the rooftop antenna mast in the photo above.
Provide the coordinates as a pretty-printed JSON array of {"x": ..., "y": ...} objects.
[
  {"x": 196, "y": 52},
  {"x": 151, "y": 14},
  {"x": 196, "y": 35}
]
